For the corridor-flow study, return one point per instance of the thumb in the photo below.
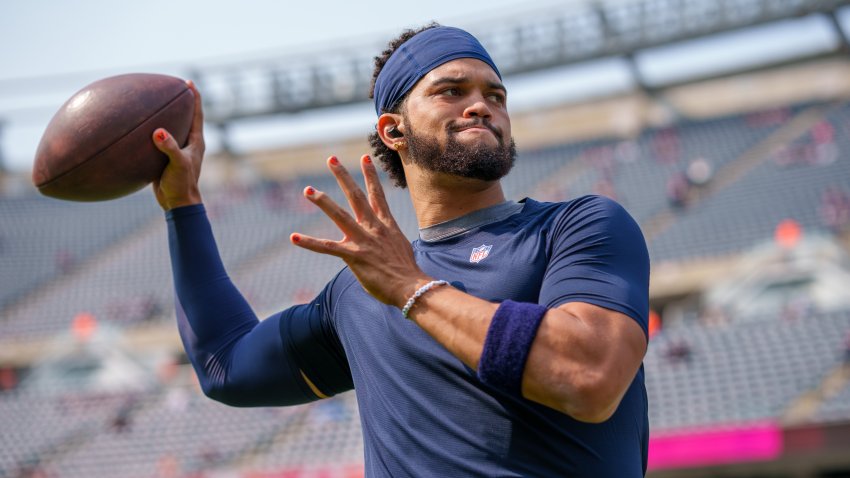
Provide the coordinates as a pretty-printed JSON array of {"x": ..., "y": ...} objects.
[{"x": 165, "y": 143}]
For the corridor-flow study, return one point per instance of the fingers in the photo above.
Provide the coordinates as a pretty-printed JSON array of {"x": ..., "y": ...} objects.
[
  {"x": 365, "y": 205},
  {"x": 355, "y": 196},
  {"x": 372, "y": 218},
  {"x": 343, "y": 220},
  {"x": 178, "y": 183},
  {"x": 322, "y": 246},
  {"x": 196, "y": 133},
  {"x": 377, "y": 198},
  {"x": 166, "y": 143}
]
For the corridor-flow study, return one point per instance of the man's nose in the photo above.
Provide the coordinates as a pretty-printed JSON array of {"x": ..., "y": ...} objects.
[{"x": 478, "y": 108}]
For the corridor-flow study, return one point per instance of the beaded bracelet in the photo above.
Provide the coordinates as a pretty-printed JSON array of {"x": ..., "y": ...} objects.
[{"x": 425, "y": 288}]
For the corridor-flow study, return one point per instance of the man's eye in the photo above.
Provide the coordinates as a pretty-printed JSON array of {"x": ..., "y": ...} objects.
[
  {"x": 498, "y": 98},
  {"x": 451, "y": 92}
]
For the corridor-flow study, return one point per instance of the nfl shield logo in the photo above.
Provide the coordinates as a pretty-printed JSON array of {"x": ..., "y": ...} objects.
[{"x": 479, "y": 253}]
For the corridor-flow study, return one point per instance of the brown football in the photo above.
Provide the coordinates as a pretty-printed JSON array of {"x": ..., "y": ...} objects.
[{"x": 98, "y": 145}]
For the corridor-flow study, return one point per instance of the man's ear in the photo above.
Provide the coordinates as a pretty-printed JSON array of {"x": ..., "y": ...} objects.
[{"x": 390, "y": 129}]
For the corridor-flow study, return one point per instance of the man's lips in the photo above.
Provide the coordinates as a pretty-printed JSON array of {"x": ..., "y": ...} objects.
[{"x": 478, "y": 126}]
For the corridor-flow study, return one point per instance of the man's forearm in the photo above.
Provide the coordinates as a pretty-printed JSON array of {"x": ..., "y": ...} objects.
[
  {"x": 573, "y": 364},
  {"x": 456, "y": 320},
  {"x": 212, "y": 304},
  {"x": 238, "y": 359}
]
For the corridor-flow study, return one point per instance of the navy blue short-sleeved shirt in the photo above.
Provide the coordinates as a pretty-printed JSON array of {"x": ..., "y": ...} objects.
[
  {"x": 423, "y": 412},
  {"x": 423, "y": 409}
]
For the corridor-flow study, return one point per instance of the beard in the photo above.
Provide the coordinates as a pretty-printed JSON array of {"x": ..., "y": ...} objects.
[{"x": 477, "y": 161}]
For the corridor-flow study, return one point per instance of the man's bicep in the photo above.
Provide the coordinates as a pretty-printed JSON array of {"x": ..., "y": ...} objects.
[
  {"x": 611, "y": 347},
  {"x": 612, "y": 328},
  {"x": 599, "y": 257}
]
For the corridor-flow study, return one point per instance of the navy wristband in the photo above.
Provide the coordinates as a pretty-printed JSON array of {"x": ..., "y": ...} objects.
[{"x": 507, "y": 345}]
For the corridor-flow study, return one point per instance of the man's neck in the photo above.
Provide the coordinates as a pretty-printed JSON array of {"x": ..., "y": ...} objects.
[{"x": 439, "y": 198}]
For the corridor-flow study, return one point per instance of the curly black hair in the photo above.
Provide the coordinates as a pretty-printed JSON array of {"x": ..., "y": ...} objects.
[{"x": 390, "y": 160}]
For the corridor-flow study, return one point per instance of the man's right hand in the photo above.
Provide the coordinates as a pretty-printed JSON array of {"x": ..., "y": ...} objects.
[{"x": 178, "y": 185}]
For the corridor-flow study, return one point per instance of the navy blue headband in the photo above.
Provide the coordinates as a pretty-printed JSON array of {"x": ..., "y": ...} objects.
[{"x": 421, "y": 54}]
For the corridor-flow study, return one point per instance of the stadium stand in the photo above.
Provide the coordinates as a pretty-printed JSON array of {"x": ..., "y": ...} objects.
[
  {"x": 750, "y": 208},
  {"x": 709, "y": 376},
  {"x": 93, "y": 381},
  {"x": 41, "y": 238},
  {"x": 699, "y": 374}
]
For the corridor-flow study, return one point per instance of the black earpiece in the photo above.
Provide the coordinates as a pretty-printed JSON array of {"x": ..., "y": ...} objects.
[{"x": 394, "y": 133}]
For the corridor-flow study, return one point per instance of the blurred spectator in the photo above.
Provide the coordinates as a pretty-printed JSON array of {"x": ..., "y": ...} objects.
[
  {"x": 123, "y": 418},
  {"x": 679, "y": 351},
  {"x": 823, "y": 132},
  {"x": 699, "y": 172},
  {"x": 796, "y": 154},
  {"x": 823, "y": 137},
  {"x": 665, "y": 145},
  {"x": 816, "y": 148},
  {"x": 677, "y": 190},
  {"x": 121, "y": 421},
  {"x": 835, "y": 209}
]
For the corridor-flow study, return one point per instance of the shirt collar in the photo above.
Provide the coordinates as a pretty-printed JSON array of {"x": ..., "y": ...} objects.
[{"x": 460, "y": 225}]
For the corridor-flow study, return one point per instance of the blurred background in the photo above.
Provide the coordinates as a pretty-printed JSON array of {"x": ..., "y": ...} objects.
[{"x": 723, "y": 127}]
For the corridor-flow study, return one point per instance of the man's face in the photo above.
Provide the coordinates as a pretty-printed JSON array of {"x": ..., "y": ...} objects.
[{"x": 456, "y": 122}]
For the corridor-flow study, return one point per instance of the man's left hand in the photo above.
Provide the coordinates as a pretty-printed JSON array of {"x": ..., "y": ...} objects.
[{"x": 373, "y": 246}]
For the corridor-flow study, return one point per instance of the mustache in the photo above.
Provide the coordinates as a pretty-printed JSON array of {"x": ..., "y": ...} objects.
[{"x": 454, "y": 127}]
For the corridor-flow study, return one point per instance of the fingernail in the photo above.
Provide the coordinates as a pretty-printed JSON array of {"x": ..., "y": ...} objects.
[
  {"x": 296, "y": 238},
  {"x": 309, "y": 190},
  {"x": 367, "y": 159},
  {"x": 333, "y": 160},
  {"x": 161, "y": 135}
]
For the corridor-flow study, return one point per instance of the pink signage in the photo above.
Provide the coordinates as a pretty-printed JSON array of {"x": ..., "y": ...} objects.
[{"x": 715, "y": 446}]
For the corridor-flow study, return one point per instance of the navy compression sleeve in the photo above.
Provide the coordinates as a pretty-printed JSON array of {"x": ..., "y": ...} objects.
[{"x": 240, "y": 360}]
